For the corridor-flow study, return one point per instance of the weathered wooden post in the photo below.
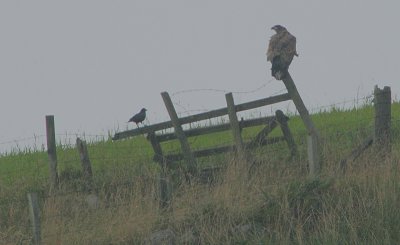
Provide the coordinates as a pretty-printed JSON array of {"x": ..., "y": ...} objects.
[
  {"x": 85, "y": 163},
  {"x": 313, "y": 151},
  {"x": 187, "y": 153},
  {"x": 51, "y": 151},
  {"x": 235, "y": 126},
  {"x": 382, "y": 104},
  {"x": 34, "y": 212},
  {"x": 282, "y": 119},
  {"x": 165, "y": 195}
]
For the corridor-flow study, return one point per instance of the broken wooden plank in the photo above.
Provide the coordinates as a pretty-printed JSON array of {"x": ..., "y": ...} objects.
[
  {"x": 356, "y": 153},
  {"x": 221, "y": 149}
]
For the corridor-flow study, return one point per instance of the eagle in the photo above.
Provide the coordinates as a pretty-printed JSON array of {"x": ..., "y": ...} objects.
[{"x": 281, "y": 50}]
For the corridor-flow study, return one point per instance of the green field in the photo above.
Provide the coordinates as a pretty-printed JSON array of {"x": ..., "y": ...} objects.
[{"x": 273, "y": 203}]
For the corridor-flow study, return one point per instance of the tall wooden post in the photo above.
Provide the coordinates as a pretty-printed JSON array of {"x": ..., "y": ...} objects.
[
  {"x": 187, "y": 153},
  {"x": 313, "y": 151},
  {"x": 85, "y": 163},
  {"x": 382, "y": 104},
  {"x": 34, "y": 217},
  {"x": 51, "y": 151},
  {"x": 235, "y": 125}
]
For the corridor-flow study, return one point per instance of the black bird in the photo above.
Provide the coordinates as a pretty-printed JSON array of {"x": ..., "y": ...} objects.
[{"x": 139, "y": 117}]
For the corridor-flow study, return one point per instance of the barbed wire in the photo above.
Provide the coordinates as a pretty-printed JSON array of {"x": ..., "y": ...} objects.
[
  {"x": 223, "y": 90},
  {"x": 36, "y": 137},
  {"x": 71, "y": 145},
  {"x": 355, "y": 101}
]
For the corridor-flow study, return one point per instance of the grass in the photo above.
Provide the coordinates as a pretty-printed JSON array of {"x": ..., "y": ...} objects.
[{"x": 274, "y": 203}]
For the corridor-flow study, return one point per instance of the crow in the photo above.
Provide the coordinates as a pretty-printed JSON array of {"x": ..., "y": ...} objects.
[{"x": 139, "y": 117}]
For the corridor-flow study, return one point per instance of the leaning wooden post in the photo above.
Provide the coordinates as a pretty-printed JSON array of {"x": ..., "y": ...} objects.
[
  {"x": 85, "y": 163},
  {"x": 382, "y": 104},
  {"x": 235, "y": 125},
  {"x": 34, "y": 217},
  {"x": 313, "y": 151},
  {"x": 187, "y": 153},
  {"x": 51, "y": 151},
  {"x": 165, "y": 195}
]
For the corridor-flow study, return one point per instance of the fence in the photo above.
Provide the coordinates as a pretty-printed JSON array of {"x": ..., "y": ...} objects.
[
  {"x": 382, "y": 135},
  {"x": 234, "y": 125},
  {"x": 271, "y": 123},
  {"x": 40, "y": 198},
  {"x": 231, "y": 110}
]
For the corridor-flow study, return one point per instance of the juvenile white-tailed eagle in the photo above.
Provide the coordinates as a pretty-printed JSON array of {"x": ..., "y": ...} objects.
[{"x": 281, "y": 50}]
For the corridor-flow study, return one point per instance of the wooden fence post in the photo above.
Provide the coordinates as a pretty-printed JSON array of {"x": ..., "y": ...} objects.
[
  {"x": 165, "y": 195},
  {"x": 51, "y": 151},
  {"x": 282, "y": 119},
  {"x": 187, "y": 153},
  {"x": 235, "y": 125},
  {"x": 382, "y": 104},
  {"x": 85, "y": 163},
  {"x": 34, "y": 212},
  {"x": 313, "y": 151},
  {"x": 381, "y": 137}
]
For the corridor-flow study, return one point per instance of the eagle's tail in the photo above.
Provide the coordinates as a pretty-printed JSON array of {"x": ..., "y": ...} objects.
[
  {"x": 278, "y": 67},
  {"x": 273, "y": 71}
]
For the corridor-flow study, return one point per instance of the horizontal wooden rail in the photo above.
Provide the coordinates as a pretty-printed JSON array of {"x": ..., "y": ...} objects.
[
  {"x": 202, "y": 116},
  {"x": 216, "y": 128},
  {"x": 221, "y": 149}
]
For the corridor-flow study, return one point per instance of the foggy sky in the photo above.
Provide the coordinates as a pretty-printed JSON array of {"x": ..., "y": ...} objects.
[{"x": 93, "y": 64}]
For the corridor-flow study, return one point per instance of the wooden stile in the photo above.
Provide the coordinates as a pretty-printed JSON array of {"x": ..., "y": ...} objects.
[{"x": 202, "y": 116}]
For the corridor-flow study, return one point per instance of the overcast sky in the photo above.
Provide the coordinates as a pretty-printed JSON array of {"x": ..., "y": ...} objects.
[{"x": 93, "y": 64}]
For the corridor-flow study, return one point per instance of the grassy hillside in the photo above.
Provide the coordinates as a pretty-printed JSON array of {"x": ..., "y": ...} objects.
[{"x": 273, "y": 203}]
